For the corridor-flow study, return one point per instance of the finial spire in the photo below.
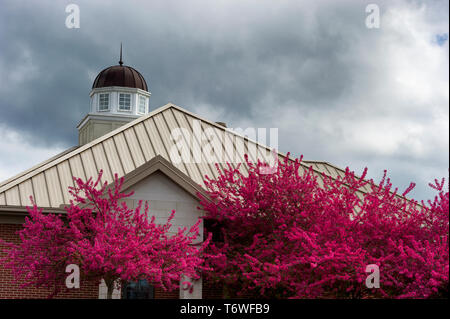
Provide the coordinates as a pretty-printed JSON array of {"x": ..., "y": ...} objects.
[{"x": 120, "y": 62}]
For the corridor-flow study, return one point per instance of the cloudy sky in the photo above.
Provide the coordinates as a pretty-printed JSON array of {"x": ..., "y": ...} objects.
[{"x": 336, "y": 90}]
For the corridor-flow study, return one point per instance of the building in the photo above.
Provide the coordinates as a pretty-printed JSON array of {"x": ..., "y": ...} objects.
[{"x": 121, "y": 135}]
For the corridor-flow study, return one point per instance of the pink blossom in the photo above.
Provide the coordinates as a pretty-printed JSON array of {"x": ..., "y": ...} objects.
[
  {"x": 284, "y": 235},
  {"x": 106, "y": 239}
]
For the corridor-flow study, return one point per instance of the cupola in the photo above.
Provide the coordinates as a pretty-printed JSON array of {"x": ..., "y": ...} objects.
[{"x": 119, "y": 95}]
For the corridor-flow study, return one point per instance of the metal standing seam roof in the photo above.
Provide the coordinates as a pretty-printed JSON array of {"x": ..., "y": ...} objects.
[{"x": 127, "y": 148}]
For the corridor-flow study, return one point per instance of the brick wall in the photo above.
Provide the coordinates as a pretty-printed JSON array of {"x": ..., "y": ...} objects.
[
  {"x": 161, "y": 294},
  {"x": 10, "y": 289},
  {"x": 212, "y": 290}
]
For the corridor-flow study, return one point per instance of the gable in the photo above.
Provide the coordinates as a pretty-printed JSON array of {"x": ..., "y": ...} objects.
[
  {"x": 164, "y": 195},
  {"x": 158, "y": 186}
]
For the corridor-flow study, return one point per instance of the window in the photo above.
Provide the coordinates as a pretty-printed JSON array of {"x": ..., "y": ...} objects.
[
  {"x": 103, "y": 102},
  {"x": 140, "y": 289},
  {"x": 142, "y": 104},
  {"x": 124, "y": 102},
  {"x": 214, "y": 227}
]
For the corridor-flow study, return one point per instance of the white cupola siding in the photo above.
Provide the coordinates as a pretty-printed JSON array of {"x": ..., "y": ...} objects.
[
  {"x": 119, "y": 95},
  {"x": 119, "y": 101}
]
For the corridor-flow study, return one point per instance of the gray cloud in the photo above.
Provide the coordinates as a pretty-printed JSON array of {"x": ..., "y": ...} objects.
[{"x": 336, "y": 90}]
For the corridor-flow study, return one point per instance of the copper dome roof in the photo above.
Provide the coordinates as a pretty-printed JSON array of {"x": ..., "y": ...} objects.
[{"x": 120, "y": 75}]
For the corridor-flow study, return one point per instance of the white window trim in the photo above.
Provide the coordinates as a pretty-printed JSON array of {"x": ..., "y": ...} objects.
[
  {"x": 118, "y": 103},
  {"x": 139, "y": 104},
  {"x": 109, "y": 102}
]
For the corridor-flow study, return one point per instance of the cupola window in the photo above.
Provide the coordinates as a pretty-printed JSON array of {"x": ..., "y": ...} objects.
[
  {"x": 142, "y": 104},
  {"x": 124, "y": 102},
  {"x": 103, "y": 102}
]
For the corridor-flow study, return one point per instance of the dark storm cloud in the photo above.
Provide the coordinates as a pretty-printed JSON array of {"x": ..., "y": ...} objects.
[
  {"x": 187, "y": 57},
  {"x": 312, "y": 69}
]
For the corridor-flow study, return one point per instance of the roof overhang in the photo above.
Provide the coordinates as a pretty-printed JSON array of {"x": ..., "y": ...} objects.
[
  {"x": 119, "y": 89},
  {"x": 109, "y": 117},
  {"x": 16, "y": 214}
]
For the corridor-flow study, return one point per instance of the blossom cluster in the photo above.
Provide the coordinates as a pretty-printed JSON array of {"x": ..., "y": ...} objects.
[{"x": 292, "y": 234}]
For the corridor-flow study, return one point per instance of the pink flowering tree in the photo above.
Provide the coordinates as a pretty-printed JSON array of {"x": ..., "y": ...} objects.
[
  {"x": 292, "y": 234},
  {"x": 106, "y": 239}
]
